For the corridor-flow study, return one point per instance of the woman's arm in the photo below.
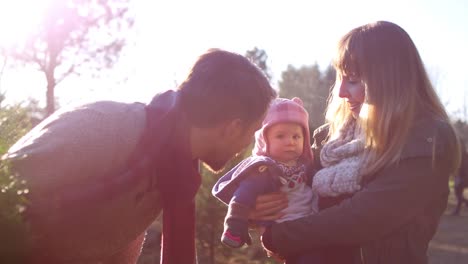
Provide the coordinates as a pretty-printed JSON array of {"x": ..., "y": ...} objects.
[{"x": 393, "y": 198}]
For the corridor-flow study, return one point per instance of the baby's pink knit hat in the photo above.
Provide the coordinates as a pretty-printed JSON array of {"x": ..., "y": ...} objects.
[{"x": 284, "y": 110}]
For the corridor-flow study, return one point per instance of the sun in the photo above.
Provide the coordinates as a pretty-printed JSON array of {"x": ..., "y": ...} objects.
[{"x": 18, "y": 19}]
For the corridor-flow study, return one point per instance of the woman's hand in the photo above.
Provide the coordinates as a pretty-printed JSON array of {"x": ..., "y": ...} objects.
[{"x": 268, "y": 207}]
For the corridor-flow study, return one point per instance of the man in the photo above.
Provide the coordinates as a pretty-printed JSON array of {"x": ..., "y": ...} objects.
[{"x": 99, "y": 174}]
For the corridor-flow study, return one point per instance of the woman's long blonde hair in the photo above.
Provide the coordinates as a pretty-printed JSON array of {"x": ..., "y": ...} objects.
[{"x": 396, "y": 84}]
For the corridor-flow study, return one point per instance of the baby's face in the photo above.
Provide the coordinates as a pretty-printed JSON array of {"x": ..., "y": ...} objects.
[{"x": 285, "y": 142}]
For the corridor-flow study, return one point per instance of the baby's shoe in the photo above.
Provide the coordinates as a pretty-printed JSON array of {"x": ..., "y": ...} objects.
[{"x": 233, "y": 240}]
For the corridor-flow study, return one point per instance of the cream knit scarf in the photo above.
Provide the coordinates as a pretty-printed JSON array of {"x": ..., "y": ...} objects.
[{"x": 341, "y": 159}]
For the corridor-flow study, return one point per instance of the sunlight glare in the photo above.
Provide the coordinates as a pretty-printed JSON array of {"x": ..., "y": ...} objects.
[{"x": 18, "y": 19}]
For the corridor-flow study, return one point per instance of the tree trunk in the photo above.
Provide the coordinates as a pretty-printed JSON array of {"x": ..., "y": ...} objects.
[
  {"x": 50, "y": 96},
  {"x": 51, "y": 82}
]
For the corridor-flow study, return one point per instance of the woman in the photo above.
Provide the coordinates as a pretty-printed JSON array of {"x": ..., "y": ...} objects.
[{"x": 387, "y": 153}]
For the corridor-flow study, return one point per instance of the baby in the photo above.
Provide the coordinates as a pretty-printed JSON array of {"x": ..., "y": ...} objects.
[{"x": 281, "y": 160}]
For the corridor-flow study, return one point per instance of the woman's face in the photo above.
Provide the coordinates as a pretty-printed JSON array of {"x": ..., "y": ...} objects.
[{"x": 352, "y": 89}]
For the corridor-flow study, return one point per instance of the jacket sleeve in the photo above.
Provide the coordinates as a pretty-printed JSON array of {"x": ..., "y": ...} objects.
[
  {"x": 396, "y": 195},
  {"x": 319, "y": 138}
]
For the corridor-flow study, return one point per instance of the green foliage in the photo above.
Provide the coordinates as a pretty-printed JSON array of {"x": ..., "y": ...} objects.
[
  {"x": 14, "y": 232},
  {"x": 312, "y": 86},
  {"x": 14, "y": 122}
]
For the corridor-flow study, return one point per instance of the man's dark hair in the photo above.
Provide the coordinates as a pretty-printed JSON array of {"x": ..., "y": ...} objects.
[{"x": 223, "y": 85}]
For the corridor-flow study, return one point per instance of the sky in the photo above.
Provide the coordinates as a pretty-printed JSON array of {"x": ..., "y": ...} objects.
[{"x": 169, "y": 35}]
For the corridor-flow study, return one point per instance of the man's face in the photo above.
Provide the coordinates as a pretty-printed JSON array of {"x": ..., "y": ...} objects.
[{"x": 225, "y": 148}]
